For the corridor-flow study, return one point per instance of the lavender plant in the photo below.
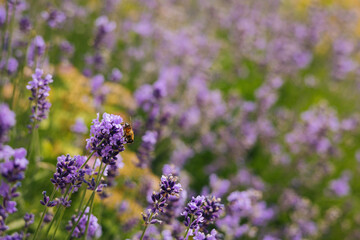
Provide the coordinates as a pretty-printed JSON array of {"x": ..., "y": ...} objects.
[{"x": 253, "y": 102}]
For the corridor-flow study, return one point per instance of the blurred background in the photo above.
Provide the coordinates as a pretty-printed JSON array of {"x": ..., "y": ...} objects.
[{"x": 229, "y": 95}]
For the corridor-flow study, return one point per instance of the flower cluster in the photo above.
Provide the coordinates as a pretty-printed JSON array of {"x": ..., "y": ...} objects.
[
  {"x": 168, "y": 187},
  {"x": 194, "y": 212},
  {"x": 14, "y": 163},
  {"x": 199, "y": 213},
  {"x": 79, "y": 126},
  {"x": 54, "y": 18},
  {"x": 39, "y": 87},
  {"x": 147, "y": 147},
  {"x": 7, "y": 121},
  {"x": 29, "y": 219},
  {"x": 12, "y": 168},
  {"x": 94, "y": 229},
  {"x": 36, "y": 51},
  {"x": 107, "y": 138},
  {"x": 242, "y": 205},
  {"x": 69, "y": 173},
  {"x": 47, "y": 202}
]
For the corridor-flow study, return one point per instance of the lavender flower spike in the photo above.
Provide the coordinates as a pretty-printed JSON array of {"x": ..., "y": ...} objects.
[
  {"x": 168, "y": 187},
  {"x": 107, "y": 138},
  {"x": 39, "y": 87},
  {"x": 7, "y": 120},
  {"x": 94, "y": 227}
]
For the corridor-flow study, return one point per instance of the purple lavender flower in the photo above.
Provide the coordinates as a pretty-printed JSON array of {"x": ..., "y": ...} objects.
[
  {"x": 340, "y": 187},
  {"x": 14, "y": 236},
  {"x": 54, "y": 18},
  {"x": 219, "y": 186},
  {"x": 98, "y": 89},
  {"x": 7, "y": 120},
  {"x": 112, "y": 171},
  {"x": 12, "y": 66},
  {"x": 107, "y": 138},
  {"x": 212, "y": 208},
  {"x": 193, "y": 212},
  {"x": 68, "y": 173},
  {"x": 48, "y": 217},
  {"x": 29, "y": 219},
  {"x": 94, "y": 229},
  {"x": 116, "y": 75},
  {"x": 12, "y": 168},
  {"x": 66, "y": 47},
  {"x": 201, "y": 236},
  {"x": 104, "y": 27},
  {"x": 79, "y": 126},
  {"x": 36, "y": 50},
  {"x": 25, "y": 24},
  {"x": 39, "y": 87},
  {"x": 46, "y": 201},
  {"x": 2, "y": 15},
  {"x": 14, "y": 165},
  {"x": 168, "y": 187},
  {"x": 146, "y": 148}
]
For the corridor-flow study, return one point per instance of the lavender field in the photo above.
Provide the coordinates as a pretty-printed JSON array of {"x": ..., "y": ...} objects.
[{"x": 184, "y": 120}]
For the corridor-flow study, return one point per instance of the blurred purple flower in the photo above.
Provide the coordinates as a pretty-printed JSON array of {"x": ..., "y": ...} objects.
[
  {"x": 94, "y": 230},
  {"x": 7, "y": 120},
  {"x": 340, "y": 186},
  {"x": 39, "y": 87},
  {"x": 79, "y": 126},
  {"x": 107, "y": 137}
]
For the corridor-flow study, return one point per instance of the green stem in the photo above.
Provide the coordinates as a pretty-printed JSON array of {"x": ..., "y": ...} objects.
[
  {"x": 82, "y": 200},
  {"x": 90, "y": 211},
  {"x": 57, "y": 211},
  {"x": 24, "y": 234},
  {"x": 80, "y": 216},
  {"x": 87, "y": 204},
  {"x": 59, "y": 222},
  {"x": 146, "y": 226},
  {"x": 187, "y": 230},
  {"x": 62, "y": 212},
  {"x": 148, "y": 221},
  {"x": 52, "y": 221},
  {"x": 92, "y": 153},
  {"x": 43, "y": 214},
  {"x": 92, "y": 202}
]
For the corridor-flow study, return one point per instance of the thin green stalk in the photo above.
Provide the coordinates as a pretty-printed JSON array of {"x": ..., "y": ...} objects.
[
  {"x": 43, "y": 214},
  {"x": 24, "y": 234},
  {"x": 62, "y": 212},
  {"x": 84, "y": 193},
  {"x": 92, "y": 202},
  {"x": 80, "y": 216},
  {"x": 146, "y": 226},
  {"x": 90, "y": 211},
  {"x": 87, "y": 204},
  {"x": 101, "y": 212},
  {"x": 57, "y": 211},
  {"x": 82, "y": 200},
  {"x": 148, "y": 221},
  {"x": 91, "y": 154},
  {"x": 187, "y": 230},
  {"x": 52, "y": 222},
  {"x": 59, "y": 222}
]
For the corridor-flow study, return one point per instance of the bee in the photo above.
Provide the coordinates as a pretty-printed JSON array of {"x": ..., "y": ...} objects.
[{"x": 128, "y": 133}]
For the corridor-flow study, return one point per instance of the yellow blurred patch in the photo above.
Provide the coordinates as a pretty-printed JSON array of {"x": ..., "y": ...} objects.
[{"x": 121, "y": 193}]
